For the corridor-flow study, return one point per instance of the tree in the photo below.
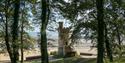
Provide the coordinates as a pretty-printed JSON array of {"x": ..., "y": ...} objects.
[
  {"x": 26, "y": 41},
  {"x": 100, "y": 15},
  {"x": 8, "y": 46},
  {"x": 22, "y": 33},
  {"x": 44, "y": 22},
  {"x": 15, "y": 42},
  {"x": 113, "y": 19},
  {"x": 108, "y": 45}
]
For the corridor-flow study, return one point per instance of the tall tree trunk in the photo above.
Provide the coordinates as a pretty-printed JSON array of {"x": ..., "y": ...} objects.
[
  {"x": 22, "y": 55},
  {"x": 15, "y": 43},
  {"x": 22, "y": 31},
  {"x": 44, "y": 18},
  {"x": 108, "y": 46},
  {"x": 99, "y": 5},
  {"x": 6, "y": 32},
  {"x": 7, "y": 41},
  {"x": 118, "y": 36}
]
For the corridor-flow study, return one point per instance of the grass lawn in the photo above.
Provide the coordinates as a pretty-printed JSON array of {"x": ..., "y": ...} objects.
[
  {"x": 68, "y": 60},
  {"x": 77, "y": 60}
]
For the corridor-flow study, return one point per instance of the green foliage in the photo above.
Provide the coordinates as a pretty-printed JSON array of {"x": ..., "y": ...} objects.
[
  {"x": 53, "y": 53},
  {"x": 69, "y": 60},
  {"x": 86, "y": 26},
  {"x": 28, "y": 41},
  {"x": 80, "y": 13}
]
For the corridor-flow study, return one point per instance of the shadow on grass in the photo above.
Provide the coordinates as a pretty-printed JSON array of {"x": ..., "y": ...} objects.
[
  {"x": 76, "y": 60},
  {"x": 70, "y": 60}
]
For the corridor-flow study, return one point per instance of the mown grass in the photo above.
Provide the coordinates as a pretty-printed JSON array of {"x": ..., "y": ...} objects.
[
  {"x": 79, "y": 60},
  {"x": 68, "y": 60}
]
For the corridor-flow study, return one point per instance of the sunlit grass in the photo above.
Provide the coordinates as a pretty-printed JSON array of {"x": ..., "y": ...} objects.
[
  {"x": 68, "y": 60},
  {"x": 78, "y": 60}
]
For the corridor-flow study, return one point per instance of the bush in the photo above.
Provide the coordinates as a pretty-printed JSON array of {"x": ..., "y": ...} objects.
[
  {"x": 72, "y": 54},
  {"x": 53, "y": 53}
]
